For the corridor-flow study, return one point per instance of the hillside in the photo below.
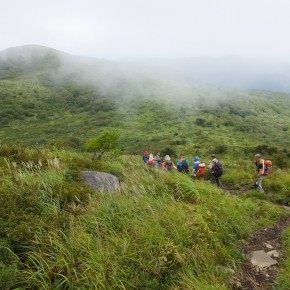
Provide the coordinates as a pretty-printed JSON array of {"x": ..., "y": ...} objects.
[
  {"x": 75, "y": 98},
  {"x": 161, "y": 230}
]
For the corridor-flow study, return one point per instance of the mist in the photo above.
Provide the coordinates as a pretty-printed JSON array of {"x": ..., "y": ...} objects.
[{"x": 165, "y": 79}]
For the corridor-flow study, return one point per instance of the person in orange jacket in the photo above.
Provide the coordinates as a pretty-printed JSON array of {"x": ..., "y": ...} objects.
[{"x": 168, "y": 164}]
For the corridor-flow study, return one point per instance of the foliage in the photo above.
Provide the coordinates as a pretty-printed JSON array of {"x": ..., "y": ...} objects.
[
  {"x": 107, "y": 141},
  {"x": 187, "y": 234},
  {"x": 283, "y": 282},
  {"x": 163, "y": 230}
]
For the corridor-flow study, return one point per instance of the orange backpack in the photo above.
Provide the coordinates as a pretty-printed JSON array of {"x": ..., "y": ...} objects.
[
  {"x": 201, "y": 170},
  {"x": 267, "y": 167}
]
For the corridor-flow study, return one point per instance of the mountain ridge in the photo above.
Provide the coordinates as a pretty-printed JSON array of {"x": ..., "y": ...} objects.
[{"x": 230, "y": 72}]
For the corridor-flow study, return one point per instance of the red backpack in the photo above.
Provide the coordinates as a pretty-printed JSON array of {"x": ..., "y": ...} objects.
[{"x": 200, "y": 170}]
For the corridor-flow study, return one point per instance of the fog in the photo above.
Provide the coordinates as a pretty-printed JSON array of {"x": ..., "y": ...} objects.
[{"x": 120, "y": 29}]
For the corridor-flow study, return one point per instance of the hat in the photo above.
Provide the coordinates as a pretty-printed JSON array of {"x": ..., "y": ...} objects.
[
  {"x": 196, "y": 159},
  {"x": 258, "y": 155},
  {"x": 146, "y": 153},
  {"x": 213, "y": 156},
  {"x": 167, "y": 158}
]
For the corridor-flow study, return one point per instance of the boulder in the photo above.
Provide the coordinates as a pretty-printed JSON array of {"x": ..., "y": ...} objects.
[{"x": 101, "y": 181}]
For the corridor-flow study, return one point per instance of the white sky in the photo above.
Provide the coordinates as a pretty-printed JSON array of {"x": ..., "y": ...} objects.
[{"x": 150, "y": 28}]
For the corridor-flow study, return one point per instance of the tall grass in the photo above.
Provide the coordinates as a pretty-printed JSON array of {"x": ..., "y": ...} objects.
[
  {"x": 283, "y": 282},
  {"x": 162, "y": 231}
]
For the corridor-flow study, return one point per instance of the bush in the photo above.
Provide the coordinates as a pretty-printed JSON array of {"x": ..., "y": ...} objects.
[
  {"x": 20, "y": 213},
  {"x": 168, "y": 151}
]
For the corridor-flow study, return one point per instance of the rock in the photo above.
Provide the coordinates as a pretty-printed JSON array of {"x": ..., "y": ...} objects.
[
  {"x": 273, "y": 253},
  {"x": 268, "y": 246},
  {"x": 101, "y": 181},
  {"x": 286, "y": 207},
  {"x": 231, "y": 271},
  {"x": 262, "y": 260},
  {"x": 238, "y": 285}
]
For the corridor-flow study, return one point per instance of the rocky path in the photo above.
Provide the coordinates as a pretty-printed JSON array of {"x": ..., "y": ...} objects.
[{"x": 263, "y": 252}]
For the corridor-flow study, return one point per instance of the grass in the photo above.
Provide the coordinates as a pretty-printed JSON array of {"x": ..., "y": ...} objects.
[
  {"x": 162, "y": 231},
  {"x": 283, "y": 281}
]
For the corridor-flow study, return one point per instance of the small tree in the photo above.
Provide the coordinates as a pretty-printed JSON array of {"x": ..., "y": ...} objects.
[{"x": 103, "y": 143}]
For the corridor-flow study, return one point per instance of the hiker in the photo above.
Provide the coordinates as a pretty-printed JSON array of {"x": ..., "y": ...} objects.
[
  {"x": 260, "y": 164},
  {"x": 216, "y": 170},
  {"x": 198, "y": 169},
  {"x": 168, "y": 163},
  {"x": 157, "y": 161},
  {"x": 182, "y": 164},
  {"x": 151, "y": 161},
  {"x": 146, "y": 157}
]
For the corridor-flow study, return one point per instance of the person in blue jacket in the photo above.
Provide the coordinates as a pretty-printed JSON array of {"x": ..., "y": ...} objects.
[
  {"x": 196, "y": 162},
  {"x": 182, "y": 164},
  {"x": 146, "y": 157}
]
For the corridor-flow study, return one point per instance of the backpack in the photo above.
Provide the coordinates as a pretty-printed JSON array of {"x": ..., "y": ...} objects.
[
  {"x": 217, "y": 169},
  {"x": 201, "y": 170},
  {"x": 184, "y": 166},
  {"x": 146, "y": 158},
  {"x": 169, "y": 165},
  {"x": 150, "y": 163},
  {"x": 267, "y": 167}
]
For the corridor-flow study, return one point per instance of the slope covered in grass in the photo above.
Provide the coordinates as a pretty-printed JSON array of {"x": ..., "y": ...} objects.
[
  {"x": 49, "y": 97},
  {"x": 161, "y": 231}
]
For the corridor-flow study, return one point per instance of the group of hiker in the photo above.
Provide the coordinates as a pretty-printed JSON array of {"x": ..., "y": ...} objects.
[
  {"x": 215, "y": 168},
  {"x": 182, "y": 165}
]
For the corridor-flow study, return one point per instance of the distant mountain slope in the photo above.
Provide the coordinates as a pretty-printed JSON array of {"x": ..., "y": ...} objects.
[
  {"x": 227, "y": 72},
  {"x": 50, "y": 97}
]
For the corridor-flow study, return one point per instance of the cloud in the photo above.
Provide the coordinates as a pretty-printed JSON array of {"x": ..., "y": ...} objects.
[{"x": 137, "y": 28}]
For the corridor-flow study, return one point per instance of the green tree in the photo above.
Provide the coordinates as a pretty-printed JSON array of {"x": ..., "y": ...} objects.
[{"x": 105, "y": 142}]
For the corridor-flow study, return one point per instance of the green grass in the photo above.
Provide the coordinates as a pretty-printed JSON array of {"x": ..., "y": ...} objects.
[
  {"x": 283, "y": 281},
  {"x": 162, "y": 231}
]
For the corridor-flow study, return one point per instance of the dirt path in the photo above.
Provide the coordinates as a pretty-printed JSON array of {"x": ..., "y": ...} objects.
[
  {"x": 263, "y": 252},
  {"x": 267, "y": 240}
]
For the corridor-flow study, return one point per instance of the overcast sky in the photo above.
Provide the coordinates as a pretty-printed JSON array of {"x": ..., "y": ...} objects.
[{"x": 150, "y": 28}]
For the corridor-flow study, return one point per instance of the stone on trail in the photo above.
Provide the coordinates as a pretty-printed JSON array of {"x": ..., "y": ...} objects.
[
  {"x": 268, "y": 246},
  {"x": 262, "y": 260},
  {"x": 273, "y": 253},
  {"x": 101, "y": 181}
]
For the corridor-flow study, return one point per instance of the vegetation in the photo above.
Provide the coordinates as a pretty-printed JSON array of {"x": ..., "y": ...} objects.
[
  {"x": 162, "y": 230},
  {"x": 103, "y": 143}
]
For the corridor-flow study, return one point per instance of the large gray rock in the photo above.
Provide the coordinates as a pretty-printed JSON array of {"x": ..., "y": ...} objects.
[
  {"x": 101, "y": 181},
  {"x": 262, "y": 260}
]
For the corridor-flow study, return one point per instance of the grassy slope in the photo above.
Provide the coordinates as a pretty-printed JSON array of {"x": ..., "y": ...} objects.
[
  {"x": 162, "y": 231},
  {"x": 236, "y": 125}
]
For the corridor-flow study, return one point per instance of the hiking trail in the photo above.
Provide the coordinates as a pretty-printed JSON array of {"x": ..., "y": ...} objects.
[{"x": 263, "y": 253}]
